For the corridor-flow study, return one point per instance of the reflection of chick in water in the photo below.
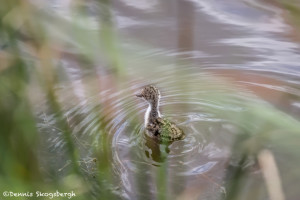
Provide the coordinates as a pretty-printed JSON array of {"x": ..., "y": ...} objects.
[
  {"x": 157, "y": 127},
  {"x": 156, "y": 151}
]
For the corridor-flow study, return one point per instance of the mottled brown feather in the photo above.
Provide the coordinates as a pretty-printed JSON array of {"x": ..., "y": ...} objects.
[{"x": 160, "y": 128}]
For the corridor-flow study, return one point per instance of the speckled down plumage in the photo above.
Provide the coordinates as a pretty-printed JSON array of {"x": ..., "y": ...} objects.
[{"x": 158, "y": 127}]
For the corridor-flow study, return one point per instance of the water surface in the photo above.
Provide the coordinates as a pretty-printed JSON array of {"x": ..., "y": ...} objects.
[{"x": 192, "y": 50}]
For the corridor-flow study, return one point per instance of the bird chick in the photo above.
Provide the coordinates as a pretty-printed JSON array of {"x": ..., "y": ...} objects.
[{"x": 156, "y": 126}]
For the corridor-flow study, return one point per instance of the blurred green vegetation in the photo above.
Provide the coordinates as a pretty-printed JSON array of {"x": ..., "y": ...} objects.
[
  {"x": 21, "y": 168},
  {"x": 293, "y": 11},
  {"x": 23, "y": 28}
]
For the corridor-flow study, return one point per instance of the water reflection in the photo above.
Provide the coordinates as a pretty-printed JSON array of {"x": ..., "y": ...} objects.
[{"x": 156, "y": 151}]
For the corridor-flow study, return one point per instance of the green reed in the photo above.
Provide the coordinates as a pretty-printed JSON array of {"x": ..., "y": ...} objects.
[{"x": 292, "y": 12}]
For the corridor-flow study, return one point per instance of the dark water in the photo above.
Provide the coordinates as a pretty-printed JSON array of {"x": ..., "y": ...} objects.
[{"x": 189, "y": 49}]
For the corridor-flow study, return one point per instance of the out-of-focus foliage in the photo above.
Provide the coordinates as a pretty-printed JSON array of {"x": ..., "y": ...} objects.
[
  {"x": 27, "y": 71},
  {"x": 292, "y": 8}
]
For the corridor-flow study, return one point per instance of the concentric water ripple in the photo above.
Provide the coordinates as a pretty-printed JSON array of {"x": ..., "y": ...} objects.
[{"x": 262, "y": 67}]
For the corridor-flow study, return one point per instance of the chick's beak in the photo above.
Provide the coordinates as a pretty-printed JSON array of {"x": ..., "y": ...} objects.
[{"x": 139, "y": 95}]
